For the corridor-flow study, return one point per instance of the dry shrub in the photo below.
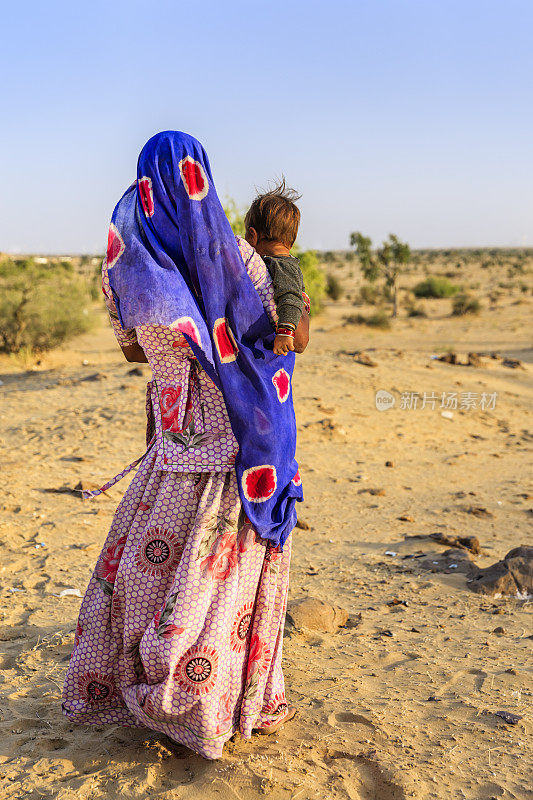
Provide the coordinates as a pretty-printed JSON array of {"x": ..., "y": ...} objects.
[
  {"x": 465, "y": 304},
  {"x": 379, "y": 319},
  {"x": 334, "y": 287},
  {"x": 370, "y": 295},
  {"x": 41, "y": 306}
]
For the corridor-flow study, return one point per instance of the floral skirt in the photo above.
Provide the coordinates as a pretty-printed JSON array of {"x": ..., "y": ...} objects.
[{"x": 181, "y": 626}]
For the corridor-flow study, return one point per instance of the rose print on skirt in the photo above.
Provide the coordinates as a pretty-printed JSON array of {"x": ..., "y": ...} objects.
[
  {"x": 77, "y": 636},
  {"x": 107, "y": 567},
  {"x": 219, "y": 564},
  {"x": 259, "y": 658},
  {"x": 170, "y": 408},
  {"x": 224, "y": 713},
  {"x": 165, "y": 629}
]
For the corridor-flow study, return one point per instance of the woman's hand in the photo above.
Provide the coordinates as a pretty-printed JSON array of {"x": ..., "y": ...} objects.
[{"x": 134, "y": 352}]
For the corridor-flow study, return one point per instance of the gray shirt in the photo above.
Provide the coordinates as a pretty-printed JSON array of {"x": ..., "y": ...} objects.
[{"x": 288, "y": 284}]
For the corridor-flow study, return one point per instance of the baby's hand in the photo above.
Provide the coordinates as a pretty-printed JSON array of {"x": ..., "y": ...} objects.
[{"x": 282, "y": 344}]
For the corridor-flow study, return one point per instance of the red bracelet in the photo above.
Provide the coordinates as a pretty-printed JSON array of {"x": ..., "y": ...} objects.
[
  {"x": 284, "y": 332},
  {"x": 307, "y": 302}
]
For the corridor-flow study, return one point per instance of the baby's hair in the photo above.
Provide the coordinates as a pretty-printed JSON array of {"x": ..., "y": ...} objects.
[{"x": 274, "y": 214}]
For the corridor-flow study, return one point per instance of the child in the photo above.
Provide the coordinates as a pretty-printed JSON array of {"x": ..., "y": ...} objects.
[{"x": 271, "y": 225}]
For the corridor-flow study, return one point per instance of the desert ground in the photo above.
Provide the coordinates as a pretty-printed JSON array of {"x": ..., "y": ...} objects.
[{"x": 400, "y": 702}]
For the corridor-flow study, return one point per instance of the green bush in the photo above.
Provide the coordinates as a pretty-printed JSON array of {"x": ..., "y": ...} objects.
[
  {"x": 435, "y": 287},
  {"x": 465, "y": 304},
  {"x": 41, "y": 306},
  {"x": 314, "y": 279},
  {"x": 334, "y": 288}
]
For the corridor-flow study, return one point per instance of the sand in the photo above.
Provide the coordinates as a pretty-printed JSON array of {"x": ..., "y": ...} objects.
[{"x": 398, "y": 704}]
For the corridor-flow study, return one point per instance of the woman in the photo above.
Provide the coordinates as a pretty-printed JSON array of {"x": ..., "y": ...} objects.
[{"x": 181, "y": 626}]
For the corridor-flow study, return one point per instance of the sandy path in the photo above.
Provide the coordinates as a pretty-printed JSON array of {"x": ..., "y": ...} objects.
[{"x": 366, "y": 728}]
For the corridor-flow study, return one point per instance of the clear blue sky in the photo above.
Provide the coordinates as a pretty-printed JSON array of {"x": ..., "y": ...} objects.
[{"x": 410, "y": 116}]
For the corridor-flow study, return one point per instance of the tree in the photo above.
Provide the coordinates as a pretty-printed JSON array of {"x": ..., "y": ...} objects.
[{"x": 387, "y": 261}]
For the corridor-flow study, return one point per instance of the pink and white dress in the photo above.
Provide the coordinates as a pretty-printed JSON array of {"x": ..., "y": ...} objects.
[{"x": 181, "y": 626}]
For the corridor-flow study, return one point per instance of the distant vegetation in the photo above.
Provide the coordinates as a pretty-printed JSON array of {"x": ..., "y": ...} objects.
[
  {"x": 387, "y": 261},
  {"x": 43, "y": 305},
  {"x": 334, "y": 288},
  {"x": 44, "y": 301},
  {"x": 377, "y": 320},
  {"x": 465, "y": 304},
  {"x": 235, "y": 216},
  {"x": 314, "y": 279},
  {"x": 435, "y": 287}
]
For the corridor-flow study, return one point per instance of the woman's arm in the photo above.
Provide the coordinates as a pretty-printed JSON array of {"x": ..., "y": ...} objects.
[
  {"x": 127, "y": 339},
  {"x": 301, "y": 334}
]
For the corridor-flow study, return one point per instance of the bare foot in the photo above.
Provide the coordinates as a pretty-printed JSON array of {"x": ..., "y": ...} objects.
[{"x": 291, "y": 711}]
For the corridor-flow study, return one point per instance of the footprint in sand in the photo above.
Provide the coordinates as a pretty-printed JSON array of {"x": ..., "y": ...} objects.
[
  {"x": 51, "y": 745},
  {"x": 369, "y": 781},
  {"x": 462, "y": 677},
  {"x": 349, "y": 717}
]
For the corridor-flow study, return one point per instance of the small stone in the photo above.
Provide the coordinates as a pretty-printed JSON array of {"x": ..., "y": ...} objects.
[
  {"x": 317, "y": 615},
  {"x": 96, "y": 376},
  {"x": 513, "y": 363},
  {"x": 363, "y": 358},
  {"x": 474, "y": 360},
  {"x": 478, "y": 511},
  {"x": 389, "y": 463},
  {"x": 499, "y": 630},
  {"x": 468, "y": 542},
  {"x": 513, "y": 576},
  {"x": 449, "y": 358},
  {"x": 511, "y": 719}
]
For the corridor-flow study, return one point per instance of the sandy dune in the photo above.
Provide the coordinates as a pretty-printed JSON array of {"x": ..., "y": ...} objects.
[{"x": 398, "y": 704}]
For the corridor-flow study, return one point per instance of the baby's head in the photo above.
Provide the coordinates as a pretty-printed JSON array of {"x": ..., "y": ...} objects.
[{"x": 272, "y": 221}]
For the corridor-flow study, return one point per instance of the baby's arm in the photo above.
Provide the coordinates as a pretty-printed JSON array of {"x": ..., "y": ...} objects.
[{"x": 288, "y": 288}]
